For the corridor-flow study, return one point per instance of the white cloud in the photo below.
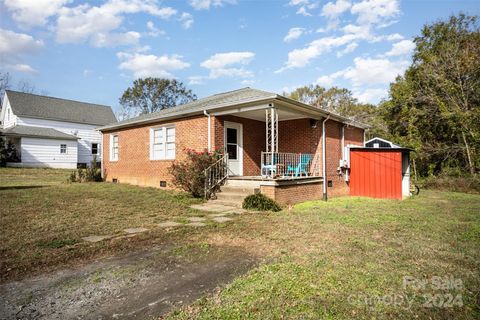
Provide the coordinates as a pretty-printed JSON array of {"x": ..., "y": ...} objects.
[
  {"x": 293, "y": 33},
  {"x": 304, "y": 6},
  {"x": 230, "y": 64},
  {"x": 332, "y": 10},
  {"x": 303, "y": 11},
  {"x": 301, "y": 57},
  {"x": 194, "y": 80},
  {"x": 206, "y": 4},
  {"x": 394, "y": 37},
  {"x": 154, "y": 31},
  {"x": 368, "y": 71},
  {"x": 375, "y": 11},
  {"x": 325, "y": 81},
  {"x": 370, "y": 95},
  {"x": 149, "y": 65},
  {"x": 186, "y": 19},
  {"x": 401, "y": 48},
  {"x": 99, "y": 25},
  {"x": 14, "y": 46},
  {"x": 348, "y": 49},
  {"x": 33, "y": 12}
]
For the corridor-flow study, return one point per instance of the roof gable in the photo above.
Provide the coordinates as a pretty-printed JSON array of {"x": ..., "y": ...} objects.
[{"x": 50, "y": 108}]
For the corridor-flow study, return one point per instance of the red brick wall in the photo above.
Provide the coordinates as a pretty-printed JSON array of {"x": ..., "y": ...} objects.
[
  {"x": 134, "y": 165},
  {"x": 253, "y": 141},
  {"x": 293, "y": 193}
]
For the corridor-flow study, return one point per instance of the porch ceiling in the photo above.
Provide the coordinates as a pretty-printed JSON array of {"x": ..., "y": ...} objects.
[{"x": 259, "y": 115}]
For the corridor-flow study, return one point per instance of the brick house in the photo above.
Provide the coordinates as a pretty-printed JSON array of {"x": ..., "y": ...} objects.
[{"x": 274, "y": 145}]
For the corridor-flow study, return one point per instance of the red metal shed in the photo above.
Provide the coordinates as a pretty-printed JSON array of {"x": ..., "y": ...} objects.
[{"x": 380, "y": 172}]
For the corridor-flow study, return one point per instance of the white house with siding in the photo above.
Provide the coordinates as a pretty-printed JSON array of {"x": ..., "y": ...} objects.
[{"x": 52, "y": 132}]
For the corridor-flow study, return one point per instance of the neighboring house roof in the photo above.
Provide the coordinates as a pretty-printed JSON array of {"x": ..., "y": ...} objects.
[
  {"x": 36, "y": 132},
  {"x": 50, "y": 108},
  {"x": 217, "y": 101}
]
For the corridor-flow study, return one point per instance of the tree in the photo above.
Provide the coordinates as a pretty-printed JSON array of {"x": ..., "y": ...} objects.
[
  {"x": 5, "y": 83},
  {"x": 336, "y": 100},
  {"x": 434, "y": 107},
  {"x": 153, "y": 94}
]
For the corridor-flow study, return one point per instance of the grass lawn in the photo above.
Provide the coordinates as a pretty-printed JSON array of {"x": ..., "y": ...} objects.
[
  {"x": 342, "y": 259},
  {"x": 43, "y": 218},
  {"x": 348, "y": 258}
]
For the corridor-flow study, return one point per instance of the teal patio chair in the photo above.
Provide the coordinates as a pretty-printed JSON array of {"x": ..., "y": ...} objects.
[
  {"x": 302, "y": 166},
  {"x": 272, "y": 167}
]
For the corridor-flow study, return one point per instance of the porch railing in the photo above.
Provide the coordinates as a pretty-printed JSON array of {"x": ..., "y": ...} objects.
[
  {"x": 215, "y": 175},
  {"x": 277, "y": 165}
]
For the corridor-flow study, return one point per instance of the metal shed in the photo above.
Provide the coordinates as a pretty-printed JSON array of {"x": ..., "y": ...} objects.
[{"x": 380, "y": 172}]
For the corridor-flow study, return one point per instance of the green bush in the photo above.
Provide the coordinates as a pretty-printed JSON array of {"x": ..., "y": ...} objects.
[
  {"x": 260, "y": 202},
  {"x": 189, "y": 174},
  {"x": 443, "y": 182},
  {"x": 89, "y": 174}
]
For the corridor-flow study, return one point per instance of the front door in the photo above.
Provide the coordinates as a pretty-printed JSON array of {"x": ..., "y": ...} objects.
[{"x": 234, "y": 147}]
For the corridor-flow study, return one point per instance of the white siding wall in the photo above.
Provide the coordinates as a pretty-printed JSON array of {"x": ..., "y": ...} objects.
[
  {"x": 46, "y": 153},
  {"x": 7, "y": 121},
  {"x": 85, "y": 132}
]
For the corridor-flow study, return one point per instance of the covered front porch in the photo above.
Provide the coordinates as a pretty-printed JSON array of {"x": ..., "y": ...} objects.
[{"x": 270, "y": 142}]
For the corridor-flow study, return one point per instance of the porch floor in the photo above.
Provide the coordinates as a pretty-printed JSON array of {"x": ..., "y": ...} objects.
[{"x": 261, "y": 178}]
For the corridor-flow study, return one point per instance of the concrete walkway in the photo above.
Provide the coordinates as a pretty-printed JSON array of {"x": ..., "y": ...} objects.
[{"x": 220, "y": 216}]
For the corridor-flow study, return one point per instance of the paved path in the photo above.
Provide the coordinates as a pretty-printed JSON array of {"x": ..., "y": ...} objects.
[{"x": 220, "y": 216}]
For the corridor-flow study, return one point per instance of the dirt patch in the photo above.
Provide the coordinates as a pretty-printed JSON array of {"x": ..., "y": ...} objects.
[{"x": 143, "y": 284}]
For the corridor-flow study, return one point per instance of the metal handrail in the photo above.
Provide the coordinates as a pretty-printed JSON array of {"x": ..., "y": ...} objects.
[
  {"x": 215, "y": 175},
  {"x": 278, "y": 165}
]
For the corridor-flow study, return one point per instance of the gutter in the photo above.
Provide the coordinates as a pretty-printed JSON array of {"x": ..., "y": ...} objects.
[
  {"x": 209, "y": 130},
  {"x": 324, "y": 159}
]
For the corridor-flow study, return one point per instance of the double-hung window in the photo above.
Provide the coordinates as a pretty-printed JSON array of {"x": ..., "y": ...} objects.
[
  {"x": 63, "y": 148},
  {"x": 162, "y": 143},
  {"x": 95, "y": 148},
  {"x": 113, "y": 147}
]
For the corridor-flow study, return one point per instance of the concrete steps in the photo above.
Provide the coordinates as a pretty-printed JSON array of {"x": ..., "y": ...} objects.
[{"x": 233, "y": 195}]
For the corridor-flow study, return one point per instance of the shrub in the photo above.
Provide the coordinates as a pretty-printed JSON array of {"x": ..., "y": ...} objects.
[
  {"x": 467, "y": 184},
  {"x": 189, "y": 174},
  {"x": 89, "y": 174},
  {"x": 8, "y": 152},
  {"x": 260, "y": 202}
]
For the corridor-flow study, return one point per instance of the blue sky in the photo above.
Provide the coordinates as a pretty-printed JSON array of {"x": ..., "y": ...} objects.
[{"x": 93, "y": 50}]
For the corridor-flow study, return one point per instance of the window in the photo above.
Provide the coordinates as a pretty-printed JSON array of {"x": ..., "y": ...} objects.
[
  {"x": 63, "y": 148},
  {"x": 232, "y": 143},
  {"x": 162, "y": 143},
  {"x": 95, "y": 148},
  {"x": 113, "y": 147}
]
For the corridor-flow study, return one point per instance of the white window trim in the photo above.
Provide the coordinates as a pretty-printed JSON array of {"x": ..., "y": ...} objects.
[
  {"x": 163, "y": 127},
  {"x": 66, "y": 148},
  {"x": 111, "y": 147}
]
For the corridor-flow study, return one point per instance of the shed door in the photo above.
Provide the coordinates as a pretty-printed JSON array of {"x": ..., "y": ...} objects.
[{"x": 376, "y": 174}]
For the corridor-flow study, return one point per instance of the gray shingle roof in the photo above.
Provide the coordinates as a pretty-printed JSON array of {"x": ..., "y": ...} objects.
[
  {"x": 221, "y": 100},
  {"x": 37, "y": 132},
  {"x": 43, "y": 107},
  {"x": 211, "y": 102}
]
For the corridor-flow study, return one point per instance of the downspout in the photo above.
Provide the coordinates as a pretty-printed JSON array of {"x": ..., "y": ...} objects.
[
  {"x": 324, "y": 159},
  {"x": 343, "y": 141},
  {"x": 209, "y": 130}
]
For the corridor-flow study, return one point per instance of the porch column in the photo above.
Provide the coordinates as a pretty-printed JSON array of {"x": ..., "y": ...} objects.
[{"x": 271, "y": 123}]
